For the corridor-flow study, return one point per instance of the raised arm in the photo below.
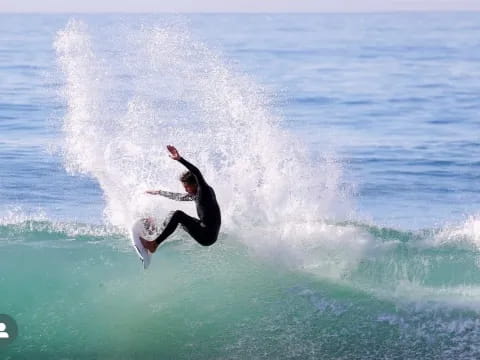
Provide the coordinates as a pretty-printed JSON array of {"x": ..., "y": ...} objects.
[
  {"x": 193, "y": 169},
  {"x": 172, "y": 195}
]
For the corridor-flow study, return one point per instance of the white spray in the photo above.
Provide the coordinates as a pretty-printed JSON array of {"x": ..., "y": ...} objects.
[{"x": 159, "y": 87}]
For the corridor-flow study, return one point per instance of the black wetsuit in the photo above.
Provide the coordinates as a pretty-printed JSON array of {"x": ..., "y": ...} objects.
[{"x": 204, "y": 230}]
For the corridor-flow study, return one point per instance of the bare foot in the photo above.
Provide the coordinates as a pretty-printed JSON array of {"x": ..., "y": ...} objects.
[{"x": 149, "y": 245}]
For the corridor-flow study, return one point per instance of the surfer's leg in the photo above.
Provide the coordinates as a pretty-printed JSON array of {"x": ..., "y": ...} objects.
[
  {"x": 199, "y": 232},
  {"x": 171, "y": 223},
  {"x": 169, "y": 226},
  {"x": 191, "y": 225}
]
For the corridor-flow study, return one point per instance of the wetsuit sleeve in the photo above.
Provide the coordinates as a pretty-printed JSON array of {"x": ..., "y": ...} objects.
[
  {"x": 194, "y": 170},
  {"x": 176, "y": 196}
]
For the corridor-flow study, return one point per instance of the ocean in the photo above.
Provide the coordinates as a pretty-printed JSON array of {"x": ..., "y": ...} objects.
[{"x": 344, "y": 151}]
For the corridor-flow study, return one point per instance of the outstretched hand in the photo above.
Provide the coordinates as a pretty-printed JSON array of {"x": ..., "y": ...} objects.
[
  {"x": 152, "y": 192},
  {"x": 173, "y": 152}
]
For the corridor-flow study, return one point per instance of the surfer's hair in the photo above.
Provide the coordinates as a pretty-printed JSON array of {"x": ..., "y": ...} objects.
[{"x": 188, "y": 178}]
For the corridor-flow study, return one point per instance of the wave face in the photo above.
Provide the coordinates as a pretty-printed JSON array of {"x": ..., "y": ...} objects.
[{"x": 90, "y": 298}]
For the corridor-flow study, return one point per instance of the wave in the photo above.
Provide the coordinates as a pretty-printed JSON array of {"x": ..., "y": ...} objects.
[
  {"x": 434, "y": 265},
  {"x": 413, "y": 294},
  {"x": 80, "y": 287},
  {"x": 286, "y": 276}
]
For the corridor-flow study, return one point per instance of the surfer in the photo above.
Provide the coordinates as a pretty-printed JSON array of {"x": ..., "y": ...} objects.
[{"x": 205, "y": 229}]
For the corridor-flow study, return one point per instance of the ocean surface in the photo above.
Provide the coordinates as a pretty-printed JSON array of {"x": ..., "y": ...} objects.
[{"x": 344, "y": 151}]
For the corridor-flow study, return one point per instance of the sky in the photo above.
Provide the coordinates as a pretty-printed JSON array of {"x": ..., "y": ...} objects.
[{"x": 180, "y": 6}]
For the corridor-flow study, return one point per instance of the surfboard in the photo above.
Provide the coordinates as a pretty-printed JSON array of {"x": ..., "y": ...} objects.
[{"x": 142, "y": 228}]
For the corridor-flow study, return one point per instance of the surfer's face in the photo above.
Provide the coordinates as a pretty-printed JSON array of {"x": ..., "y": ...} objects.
[{"x": 190, "y": 189}]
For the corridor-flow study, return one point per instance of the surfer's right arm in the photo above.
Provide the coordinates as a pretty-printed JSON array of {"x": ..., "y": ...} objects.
[{"x": 171, "y": 195}]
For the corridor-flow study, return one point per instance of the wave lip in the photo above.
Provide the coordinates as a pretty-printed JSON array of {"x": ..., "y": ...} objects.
[{"x": 468, "y": 232}]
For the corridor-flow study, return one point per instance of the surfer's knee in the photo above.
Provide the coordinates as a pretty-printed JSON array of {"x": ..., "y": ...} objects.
[
  {"x": 174, "y": 215},
  {"x": 178, "y": 214}
]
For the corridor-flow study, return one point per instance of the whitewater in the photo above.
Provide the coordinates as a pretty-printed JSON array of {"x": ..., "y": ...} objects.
[{"x": 300, "y": 270}]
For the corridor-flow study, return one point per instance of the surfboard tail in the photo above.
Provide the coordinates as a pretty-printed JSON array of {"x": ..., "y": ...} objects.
[{"x": 137, "y": 231}]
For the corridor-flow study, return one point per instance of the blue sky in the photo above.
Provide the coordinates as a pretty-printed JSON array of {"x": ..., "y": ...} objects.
[{"x": 235, "y": 5}]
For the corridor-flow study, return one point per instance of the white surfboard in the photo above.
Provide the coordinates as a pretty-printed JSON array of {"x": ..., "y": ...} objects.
[{"x": 139, "y": 229}]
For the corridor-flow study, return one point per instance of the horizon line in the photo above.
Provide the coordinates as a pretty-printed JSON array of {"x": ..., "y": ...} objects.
[{"x": 242, "y": 12}]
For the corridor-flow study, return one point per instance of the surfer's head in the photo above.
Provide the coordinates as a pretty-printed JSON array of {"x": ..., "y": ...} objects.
[{"x": 189, "y": 182}]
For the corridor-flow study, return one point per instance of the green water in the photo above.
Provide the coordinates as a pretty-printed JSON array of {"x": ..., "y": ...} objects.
[{"x": 87, "y": 297}]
